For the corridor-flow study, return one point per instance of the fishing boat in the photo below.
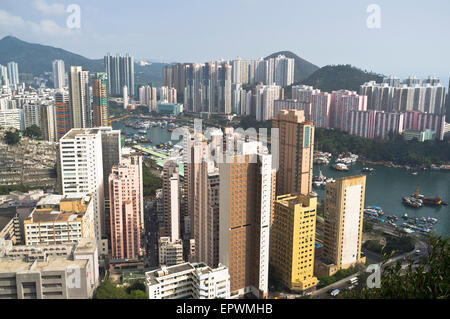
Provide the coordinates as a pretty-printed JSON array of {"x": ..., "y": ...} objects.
[{"x": 412, "y": 202}]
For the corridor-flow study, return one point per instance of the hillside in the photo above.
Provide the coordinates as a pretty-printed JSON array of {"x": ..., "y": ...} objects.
[
  {"x": 337, "y": 77},
  {"x": 36, "y": 59},
  {"x": 302, "y": 68}
]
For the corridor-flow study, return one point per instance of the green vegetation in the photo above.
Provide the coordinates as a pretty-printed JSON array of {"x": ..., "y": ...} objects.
[
  {"x": 33, "y": 131},
  {"x": 367, "y": 226},
  {"x": 151, "y": 182},
  {"x": 37, "y": 59},
  {"x": 394, "y": 245},
  {"x": 250, "y": 121},
  {"x": 394, "y": 149},
  {"x": 429, "y": 280},
  {"x": 12, "y": 137},
  {"x": 109, "y": 290},
  {"x": 340, "y": 77},
  {"x": 6, "y": 189},
  {"x": 341, "y": 274}
]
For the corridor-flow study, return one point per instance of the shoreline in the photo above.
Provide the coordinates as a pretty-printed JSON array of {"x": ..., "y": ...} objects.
[{"x": 406, "y": 167}]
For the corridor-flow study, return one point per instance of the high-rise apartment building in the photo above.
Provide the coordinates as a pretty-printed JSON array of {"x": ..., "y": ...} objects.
[
  {"x": 342, "y": 102},
  {"x": 171, "y": 199},
  {"x": 63, "y": 113},
  {"x": 120, "y": 71},
  {"x": 265, "y": 97},
  {"x": 48, "y": 122},
  {"x": 4, "y": 80},
  {"x": 296, "y": 149},
  {"x": 283, "y": 71},
  {"x": 81, "y": 163},
  {"x": 201, "y": 186},
  {"x": 125, "y": 196},
  {"x": 343, "y": 222},
  {"x": 58, "y": 74},
  {"x": 100, "y": 100},
  {"x": 245, "y": 204},
  {"x": 13, "y": 73},
  {"x": 111, "y": 155},
  {"x": 292, "y": 240},
  {"x": 80, "y": 103}
]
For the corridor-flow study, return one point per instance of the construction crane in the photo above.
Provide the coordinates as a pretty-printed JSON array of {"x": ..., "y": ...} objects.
[{"x": 117, "y": 119}]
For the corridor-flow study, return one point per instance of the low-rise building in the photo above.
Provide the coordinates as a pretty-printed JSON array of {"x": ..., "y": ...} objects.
[
  {"x": 188, "y": 281},
  {"x": 67, "y": 271},
  {"x": 59, "y": 219},
  {"x": 421, "y": 136},
  {"x": 170, "y": 252}
]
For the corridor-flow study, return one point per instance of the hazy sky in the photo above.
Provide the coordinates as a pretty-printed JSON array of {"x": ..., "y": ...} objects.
[{"x": 414, "y": 37}]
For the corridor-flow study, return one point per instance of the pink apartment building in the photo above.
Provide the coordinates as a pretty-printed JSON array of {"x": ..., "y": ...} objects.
[{"x": 126, "y": 207}]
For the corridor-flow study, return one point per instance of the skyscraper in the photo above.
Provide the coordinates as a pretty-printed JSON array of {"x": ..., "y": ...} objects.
[
  {"x": 296, "y": 150},
  {"x": 283, "y": 71},
  {"x": 244, "y": 220},
  {"x": 48, "y": 122},
  {"x": 79, "y": 97},
  {"x": 13, "y": 73},
  {"x": 171, "y": 199},
  {"x": 100, "y": 100},
  {"x": 126, "y": 193},
  {"x": 63, "y": 113},
  {"x": 120, "y": 72},
  {"x": 202, "y": 196},
  {"x": 111, "y": 155},
  {"x": 80, "y": 160},
  {"x": 292, "y": 240},
  {"x": 58, "y": 74},
  {"x": 343, "y": 218},
  {"x": 265, "y": 96},
  {"x": 4, "y": 76}
]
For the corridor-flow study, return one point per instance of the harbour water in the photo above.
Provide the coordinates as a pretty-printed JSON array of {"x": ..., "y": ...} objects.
[
  {"x": 156, "y": 133},
  {"x": 385, "y": 188}
]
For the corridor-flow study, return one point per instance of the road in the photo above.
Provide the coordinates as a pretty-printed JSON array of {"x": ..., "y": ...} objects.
[
  {"x": 343, "y": 283},
  {"x": 151, "y": 231}
]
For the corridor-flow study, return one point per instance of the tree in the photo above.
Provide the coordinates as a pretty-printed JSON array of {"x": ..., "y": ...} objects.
[
  {"x": 108, "y": 290},
  {"x": 135, "y": 285},
  {"x": 33, "y": 131},
  {"x": 429, "y": 280},
  {"x": 138, "y": 294},
  {"x": 151, "y": 182},
  {"x": 12, "y": 137}
]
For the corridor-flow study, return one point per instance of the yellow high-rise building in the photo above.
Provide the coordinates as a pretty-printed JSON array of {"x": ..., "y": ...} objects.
[
  {"x": 293, "y": 240},
  {"x": 343, "y": 222}
]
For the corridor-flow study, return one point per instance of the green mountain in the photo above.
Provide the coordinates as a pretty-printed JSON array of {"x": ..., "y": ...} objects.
[
  {"x": 302, "y": 68},
  {"x": 340, "y": 77},
  {"x": 36, "y": 59}
]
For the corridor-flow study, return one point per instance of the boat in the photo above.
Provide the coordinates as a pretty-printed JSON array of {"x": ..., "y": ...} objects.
[
  {"x": 436, "y": 201},
  {"x": 340, "y": 167},
  {"x": 319, "y": 181},
  {"x": 368, "y": 169},
  {"x": 143, "y": 131},
  {"x": 415, "y": 173},
  {"x": 405, "y": 216},
  {"x": 412, "y": 202}
]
